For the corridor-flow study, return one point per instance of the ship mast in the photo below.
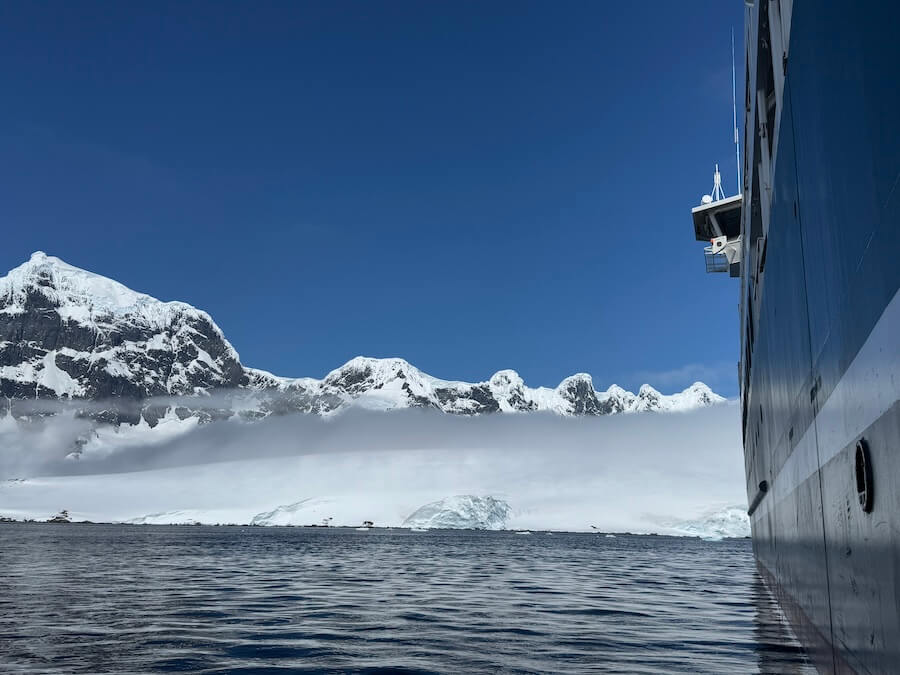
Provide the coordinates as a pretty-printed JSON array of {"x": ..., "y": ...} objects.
[
  {"x": 718, "y": 218},
  {"x": 737, "y": 143}
]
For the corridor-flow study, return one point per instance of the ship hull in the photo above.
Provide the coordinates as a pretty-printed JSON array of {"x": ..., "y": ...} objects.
[
  {"x": 821, "y": 324},
  {"x": 834, "y": 567}
]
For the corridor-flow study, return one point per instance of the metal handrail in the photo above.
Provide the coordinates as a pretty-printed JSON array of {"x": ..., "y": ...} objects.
[{"x": 715, "y": 262}]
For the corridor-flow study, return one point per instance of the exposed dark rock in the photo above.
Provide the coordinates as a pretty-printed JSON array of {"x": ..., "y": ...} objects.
[{"x": 579, "y": 391}]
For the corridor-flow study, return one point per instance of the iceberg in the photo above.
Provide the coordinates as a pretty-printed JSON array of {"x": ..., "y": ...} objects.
[
  {"x": 461, "y": 512},
  {"x": 727, "y": 522}
]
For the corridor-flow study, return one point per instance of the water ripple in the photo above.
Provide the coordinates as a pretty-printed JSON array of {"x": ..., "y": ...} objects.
[{"x": 120, "y": 599}]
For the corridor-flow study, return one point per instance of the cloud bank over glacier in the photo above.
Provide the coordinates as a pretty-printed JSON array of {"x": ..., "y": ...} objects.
[{"x": 638, "y": 473}]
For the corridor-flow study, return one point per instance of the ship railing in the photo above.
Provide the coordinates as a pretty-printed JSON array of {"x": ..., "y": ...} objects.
[{"x": 715, "y": 262}]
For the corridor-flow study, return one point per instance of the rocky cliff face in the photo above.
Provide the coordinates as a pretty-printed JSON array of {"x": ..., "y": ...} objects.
[{"x": 68, "y": 334}]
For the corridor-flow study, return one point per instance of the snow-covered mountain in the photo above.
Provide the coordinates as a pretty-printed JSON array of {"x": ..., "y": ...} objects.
[{"x": 69, "y": 334}]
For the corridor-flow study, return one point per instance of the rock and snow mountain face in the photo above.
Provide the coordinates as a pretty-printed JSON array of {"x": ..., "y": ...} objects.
[
  {"x": 69, "y": 334},
  {"x": 387, "y": 384}
]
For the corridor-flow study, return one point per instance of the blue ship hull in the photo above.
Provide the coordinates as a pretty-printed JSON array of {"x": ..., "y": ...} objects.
[{"x": 820, "y": 367}]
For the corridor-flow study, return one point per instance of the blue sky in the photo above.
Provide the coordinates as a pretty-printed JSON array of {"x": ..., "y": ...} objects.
[{"x": 471, "y": 186}]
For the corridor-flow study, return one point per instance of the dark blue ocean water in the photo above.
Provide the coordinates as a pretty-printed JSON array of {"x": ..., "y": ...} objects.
[{"x": 138, "y": 599}]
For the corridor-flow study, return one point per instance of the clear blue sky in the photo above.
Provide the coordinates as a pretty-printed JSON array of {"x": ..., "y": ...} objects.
[{"x": 468, "y": 185}]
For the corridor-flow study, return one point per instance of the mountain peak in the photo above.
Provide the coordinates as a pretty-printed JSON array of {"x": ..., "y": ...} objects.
[
  {"x": 506, "y": 378},
  {"x": 379, "y": 370},
  {"x": 577, "y": 378},
  {"x": 699, "y": 386},
  {"x": 65, "y": 330},
  {"x": 78, "y": 295}
]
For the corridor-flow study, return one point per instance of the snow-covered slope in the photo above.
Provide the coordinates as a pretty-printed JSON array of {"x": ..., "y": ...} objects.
[
  {"x": 69, "y": 334},
  {"x": 309, "y": 511}
]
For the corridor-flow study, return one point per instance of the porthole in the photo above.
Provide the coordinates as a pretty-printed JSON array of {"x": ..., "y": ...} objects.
[{"x": 864, "y": 476}]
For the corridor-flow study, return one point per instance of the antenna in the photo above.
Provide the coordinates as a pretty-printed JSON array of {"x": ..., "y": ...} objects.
[
  {"x": 717, "y": 191},
  {"x": 737, "y": 144}
]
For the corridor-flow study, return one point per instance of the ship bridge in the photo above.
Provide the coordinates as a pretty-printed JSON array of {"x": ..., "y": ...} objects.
[{"x": 718, "y": 221}]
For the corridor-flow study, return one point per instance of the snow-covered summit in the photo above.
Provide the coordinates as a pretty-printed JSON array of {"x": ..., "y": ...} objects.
[
  {"x": 83, "y": 296},
  {"x": 69, "y": 333}
]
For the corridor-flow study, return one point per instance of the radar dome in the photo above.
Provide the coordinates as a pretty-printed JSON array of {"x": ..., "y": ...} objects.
[{"x": 706, "y": 199}]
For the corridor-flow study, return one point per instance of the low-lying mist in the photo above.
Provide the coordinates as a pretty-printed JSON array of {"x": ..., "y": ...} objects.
[{"x": 634, "y": 472}]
